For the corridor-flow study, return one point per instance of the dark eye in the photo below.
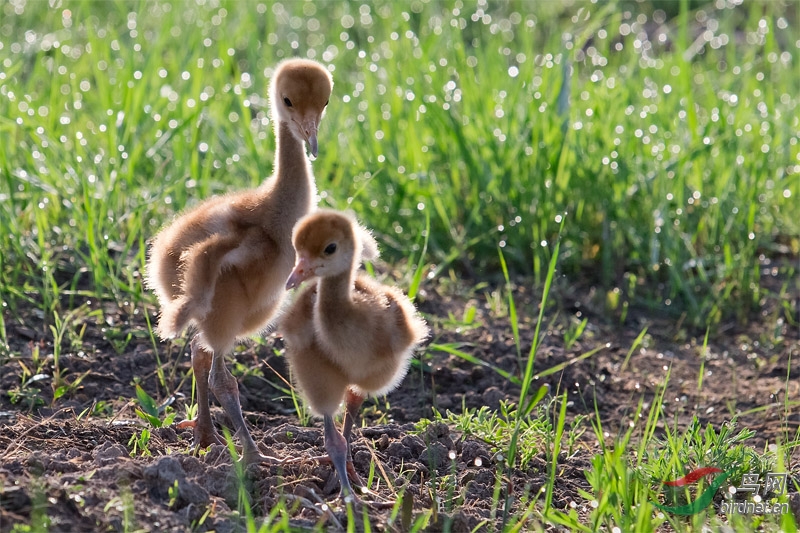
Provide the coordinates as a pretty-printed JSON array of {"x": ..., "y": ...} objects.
[
  {"x": 330, "y": 249},
  {"x": 287, "y": 102},
  {"x": 327, "y": 102}
]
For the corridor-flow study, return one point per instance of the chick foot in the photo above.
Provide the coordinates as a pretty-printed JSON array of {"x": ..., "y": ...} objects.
[{"x": 204, "y": 434}]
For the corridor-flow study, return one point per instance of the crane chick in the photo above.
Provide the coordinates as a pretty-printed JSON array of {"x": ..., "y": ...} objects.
[
  {"x": 347, "y": 336},
  {"x": 222, "y": 266}
]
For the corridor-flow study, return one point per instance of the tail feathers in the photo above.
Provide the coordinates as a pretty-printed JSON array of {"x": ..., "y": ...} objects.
[{"x": 177, "y": 316}]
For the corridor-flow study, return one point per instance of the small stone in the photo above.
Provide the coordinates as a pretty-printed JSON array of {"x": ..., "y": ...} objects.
[
  {"x": 73, "y": 453},
  {"x": 472, "y": 450},
  {"x": 414, "y": 443},
  {"x": 491, "y": 397},
  {"x": 109, "y": 453},
  {"x": 190, "y": 492},
  {"x": 439, "y": 432},
  {"x": 166, "y": 469},
  {"x": 362, "y": 460},
  {"x": 444, "y": 402},
  {"x": 435, "y": 455},
  {"x": 399, "y": 451}
]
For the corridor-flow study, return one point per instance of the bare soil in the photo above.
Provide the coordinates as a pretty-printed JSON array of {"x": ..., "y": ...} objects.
[{"x": 82, "y": 473}]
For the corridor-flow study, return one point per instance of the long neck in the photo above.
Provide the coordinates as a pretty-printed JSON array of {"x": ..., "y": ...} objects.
[
  {"x": 294, "y": 188},
  {"x": 334, "y": 292}
]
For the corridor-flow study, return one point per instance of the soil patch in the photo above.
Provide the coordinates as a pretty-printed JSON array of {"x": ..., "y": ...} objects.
[{"x": 81, "y": 462}]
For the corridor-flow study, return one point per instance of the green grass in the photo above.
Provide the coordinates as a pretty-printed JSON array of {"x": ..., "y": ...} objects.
[
  {"x": 670, "y": 166},
  {"x": 659, "y": 166}
]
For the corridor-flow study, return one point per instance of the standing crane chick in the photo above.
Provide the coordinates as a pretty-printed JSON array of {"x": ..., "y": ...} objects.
[
  {"x": 346, "y": 335},
  {"x": 222, "y": 266}
]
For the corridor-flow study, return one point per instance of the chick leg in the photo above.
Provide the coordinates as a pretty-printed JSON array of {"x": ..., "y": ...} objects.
[
  {"x": 353, "y": 402},
  {"x": 336, "y": 445},
  {"x": 226, "y": 389},
  {"x": 204, "y": 432}
]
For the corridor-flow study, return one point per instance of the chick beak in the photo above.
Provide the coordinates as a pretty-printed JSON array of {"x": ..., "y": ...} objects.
[
  {"x": 302, "y": 271},
  {"x": 310, "y": 129},
  {"x": 312, "y": 144}
]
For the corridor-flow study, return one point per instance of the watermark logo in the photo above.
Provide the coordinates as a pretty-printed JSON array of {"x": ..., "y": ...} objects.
[
  {"x": 774, "y": 483},
  {"x": 702, "y": 501}
]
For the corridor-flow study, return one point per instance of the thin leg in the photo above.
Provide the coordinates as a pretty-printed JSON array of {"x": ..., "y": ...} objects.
[
  {"x": 336, "y": 445},
  {"x": 226, "y": 389},
  {"x": 204, "y": 432},
  {"x": 353, "y": 402},
  {"x": 326, "y": 459}
]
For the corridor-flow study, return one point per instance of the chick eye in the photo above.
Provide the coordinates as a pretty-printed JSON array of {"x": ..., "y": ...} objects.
[
  {"x": 330, "y": 249},
  {"x": 287, "y": 102}
]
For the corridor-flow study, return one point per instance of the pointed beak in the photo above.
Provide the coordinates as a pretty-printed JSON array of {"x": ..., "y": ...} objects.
[
  {"x": 312, "y": 144},
  {"x": 302, "y": 271},
  {"x": 310, "y": 129}
]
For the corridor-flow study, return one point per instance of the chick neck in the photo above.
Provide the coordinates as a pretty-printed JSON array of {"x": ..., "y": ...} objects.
[
  {"x": 335, "y": 291},
  {"x": 294, "y": 180}
]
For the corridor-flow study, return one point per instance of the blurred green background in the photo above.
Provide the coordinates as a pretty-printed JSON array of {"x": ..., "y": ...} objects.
[{"x": 664, "y": 135}]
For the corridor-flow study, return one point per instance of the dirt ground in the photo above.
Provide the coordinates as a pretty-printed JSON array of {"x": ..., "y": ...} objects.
[{"x": 82, "y": 474}]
